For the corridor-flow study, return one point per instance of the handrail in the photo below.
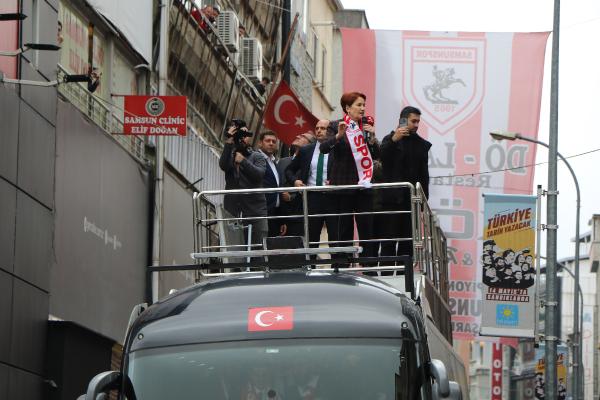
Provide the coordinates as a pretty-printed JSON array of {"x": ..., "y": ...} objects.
[
  {"x": 429, "y": 244},
  {"x": 427, "y": 237}
]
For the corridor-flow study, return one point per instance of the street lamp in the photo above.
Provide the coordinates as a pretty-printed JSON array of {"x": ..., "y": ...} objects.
[{"x": 578, "y": 386}]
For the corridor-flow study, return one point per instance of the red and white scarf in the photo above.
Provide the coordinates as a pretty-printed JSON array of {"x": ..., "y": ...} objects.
[{"x": 360, "y": 151}]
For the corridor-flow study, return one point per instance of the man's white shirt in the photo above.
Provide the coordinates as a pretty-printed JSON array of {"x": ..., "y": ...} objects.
[{"x": 312, "y": 177}]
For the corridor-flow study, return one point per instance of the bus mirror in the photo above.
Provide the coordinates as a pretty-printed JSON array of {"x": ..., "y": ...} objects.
[
  {"x": 102, "y": 384},
  {"x": 455, "y": 393},
  {"x": 441, "y": 385}
]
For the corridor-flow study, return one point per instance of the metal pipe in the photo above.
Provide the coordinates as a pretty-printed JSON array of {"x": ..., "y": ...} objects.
[
  {"x": 551, "y": 337},
  {"x": 577, "y": 339},
  {"x": 538, "y": 245},
  {"x": 305, "y": 217},
  {"x": 160, "y": 147},
  {"x": 285, "y": 31}
]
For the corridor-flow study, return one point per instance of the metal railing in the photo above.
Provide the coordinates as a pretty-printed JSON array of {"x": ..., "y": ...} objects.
[
  {"x": 428, "y": 240},
  {"x": 101, "y": 113}
]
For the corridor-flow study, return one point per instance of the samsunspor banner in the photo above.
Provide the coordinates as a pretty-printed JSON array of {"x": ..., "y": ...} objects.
[{"x": 466, "y": 85}]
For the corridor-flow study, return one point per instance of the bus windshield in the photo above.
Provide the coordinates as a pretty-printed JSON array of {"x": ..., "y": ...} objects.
[{"x": 325, "y": 369}]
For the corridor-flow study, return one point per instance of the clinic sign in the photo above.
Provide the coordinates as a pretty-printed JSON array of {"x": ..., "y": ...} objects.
[{"x": 155, "y": 115}]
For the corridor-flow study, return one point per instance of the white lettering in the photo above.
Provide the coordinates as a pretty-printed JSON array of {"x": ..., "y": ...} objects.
[{"x": 102, "y": 234}]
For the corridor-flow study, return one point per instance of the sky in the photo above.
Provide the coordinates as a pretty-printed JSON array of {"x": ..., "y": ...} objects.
[{"x": 579, "y": 82}]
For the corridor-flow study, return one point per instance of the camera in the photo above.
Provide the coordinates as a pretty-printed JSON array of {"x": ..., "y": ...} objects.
[{"x": 239, "y": 134}]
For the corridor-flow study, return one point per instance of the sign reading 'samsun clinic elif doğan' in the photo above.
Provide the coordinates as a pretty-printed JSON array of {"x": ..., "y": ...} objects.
[
  {"x": 155, "y": 115},
  {"x": 508, "y": 268}
]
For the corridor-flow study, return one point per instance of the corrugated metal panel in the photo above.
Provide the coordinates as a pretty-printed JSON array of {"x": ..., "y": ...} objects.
[{"x": 193, "y": 158}]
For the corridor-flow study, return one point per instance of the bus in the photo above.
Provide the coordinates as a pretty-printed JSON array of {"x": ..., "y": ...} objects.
[{"x": 272, "y": 323}]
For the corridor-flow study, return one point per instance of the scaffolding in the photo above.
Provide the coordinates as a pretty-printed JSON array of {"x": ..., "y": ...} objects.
[{"x": 202, "y": 68}]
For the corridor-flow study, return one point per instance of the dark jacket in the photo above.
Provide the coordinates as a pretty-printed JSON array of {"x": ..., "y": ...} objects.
[
  {"x": 405, "y": 161},
  {"x": 299, "y": 168},
  {"x": 269, "y": 181},
  {"x": 249, "y": 176},
  {"x": 343, "y": 170}
]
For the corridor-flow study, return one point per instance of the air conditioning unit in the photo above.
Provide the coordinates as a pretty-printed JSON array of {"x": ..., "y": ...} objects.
[
  {"x": 228, "y": 30},
  {"x": 251, "y": 61}
]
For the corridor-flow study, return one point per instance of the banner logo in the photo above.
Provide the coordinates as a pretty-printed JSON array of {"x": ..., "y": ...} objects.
[
  {"x": 444, "y": 78},
  {"x": 507, "y": 315},
  {"x": 155, "y": 106}
]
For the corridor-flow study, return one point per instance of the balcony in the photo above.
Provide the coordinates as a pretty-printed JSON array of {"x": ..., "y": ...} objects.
[{"x": 201, "y": 68}]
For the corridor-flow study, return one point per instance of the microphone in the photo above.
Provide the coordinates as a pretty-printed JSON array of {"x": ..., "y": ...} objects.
[{"x": 367, "y": 119}]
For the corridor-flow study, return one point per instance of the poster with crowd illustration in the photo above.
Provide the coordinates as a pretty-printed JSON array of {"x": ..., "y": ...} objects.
[
  {"x": 508, "y": 270},
  {"x": 562, "y": 360}
]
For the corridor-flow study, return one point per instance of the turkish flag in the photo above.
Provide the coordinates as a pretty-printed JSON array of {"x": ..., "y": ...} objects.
[
  {"x": 286, "y": 115},
  {"x": 270, "y": 319}
]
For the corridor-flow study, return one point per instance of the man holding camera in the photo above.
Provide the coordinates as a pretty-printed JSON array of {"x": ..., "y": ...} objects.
[
  {"x": 244, "y": 169},
  {"x": 404, "y": 158}
]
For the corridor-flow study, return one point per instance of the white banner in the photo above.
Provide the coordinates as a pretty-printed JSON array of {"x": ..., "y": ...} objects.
[
  {"x": 466, "y": 84},
  {"x": 133, "y": 18}
]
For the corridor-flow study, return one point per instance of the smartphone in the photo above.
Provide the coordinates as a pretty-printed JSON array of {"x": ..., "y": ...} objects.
[{"x": 402, "y": 122}]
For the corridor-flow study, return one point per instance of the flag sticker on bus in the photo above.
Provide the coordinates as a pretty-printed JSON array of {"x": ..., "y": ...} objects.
[{"x": 270, "y": 319}]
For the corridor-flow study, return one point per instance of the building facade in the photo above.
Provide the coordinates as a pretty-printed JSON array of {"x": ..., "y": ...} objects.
[{"x": 77, "y": 196}]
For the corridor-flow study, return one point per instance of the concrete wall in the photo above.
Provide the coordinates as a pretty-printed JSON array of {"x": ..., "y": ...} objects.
[
  {"x": 102, "y": 225},
  {"x": 322, "y": 22},
  {"x": 178, "y": 237}
]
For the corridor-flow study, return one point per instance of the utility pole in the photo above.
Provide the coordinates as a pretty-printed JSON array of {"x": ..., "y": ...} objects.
[
  {"x": 551, "y": 305},
  {"x": 160, "y": 148}
]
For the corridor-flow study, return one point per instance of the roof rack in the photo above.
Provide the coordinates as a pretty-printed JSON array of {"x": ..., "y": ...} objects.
[{"x": 216, "y": 232}]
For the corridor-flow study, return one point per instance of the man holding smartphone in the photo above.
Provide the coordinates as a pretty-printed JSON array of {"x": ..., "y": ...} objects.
[{"x": 404, "y": 158}]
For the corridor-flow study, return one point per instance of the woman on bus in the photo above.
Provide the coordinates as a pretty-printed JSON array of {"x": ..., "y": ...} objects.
[{"x": 354, "y": 147}]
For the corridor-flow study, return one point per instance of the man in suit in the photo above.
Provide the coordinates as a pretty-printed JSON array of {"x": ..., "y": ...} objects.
[
  {"x": 309, "y": 168},
  {"x": 244, "y": 169},
  {"x": 273, "y": 178},
  {"x": 294, "y": 206}
]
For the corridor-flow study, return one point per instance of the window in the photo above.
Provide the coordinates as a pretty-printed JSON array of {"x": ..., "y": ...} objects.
[
  {"x": 301, "y": 7},
  {"x": 312, "y": 51},
  {"x": 323, "y": 67},
  {"x": 74, "y": 48},
  {"x": 322, "y": 368}
]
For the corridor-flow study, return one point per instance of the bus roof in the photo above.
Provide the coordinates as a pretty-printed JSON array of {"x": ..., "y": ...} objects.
[{"x": 290, "y": 304}]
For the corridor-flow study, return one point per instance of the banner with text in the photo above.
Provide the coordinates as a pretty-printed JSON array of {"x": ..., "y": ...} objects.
[
  {"x": 507, "y": 265},
  {"x": 155, "y": 115},
  {"x": 496, "y": 375},
  {"x": 562, "y": 361},
  {"x": 466, "y": 84}
]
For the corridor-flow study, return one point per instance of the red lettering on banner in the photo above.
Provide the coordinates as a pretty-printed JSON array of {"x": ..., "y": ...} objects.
[
  {"x": 364, "y": 150},
  {"x": 366, "y": 163},
  {"x": 359, "y": 140}
]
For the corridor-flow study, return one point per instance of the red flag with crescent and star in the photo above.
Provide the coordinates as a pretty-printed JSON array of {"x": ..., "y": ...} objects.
[
  {"x": 270, "y": 319},
  {"x": 286, "y": 115}
]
